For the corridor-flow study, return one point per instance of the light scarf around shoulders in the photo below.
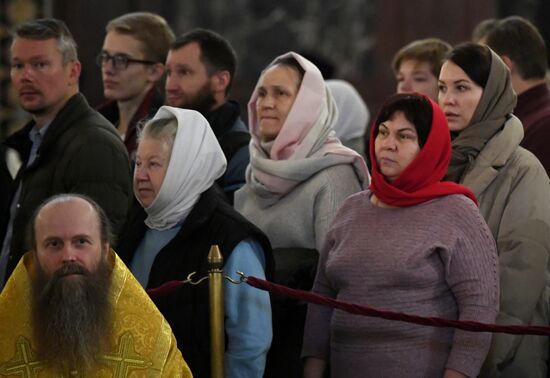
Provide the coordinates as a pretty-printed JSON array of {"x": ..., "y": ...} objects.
[
  {"x": 495, "y": 106},
  {"x": 306, "y": 143},
  {"x": 197, "y": 160}
]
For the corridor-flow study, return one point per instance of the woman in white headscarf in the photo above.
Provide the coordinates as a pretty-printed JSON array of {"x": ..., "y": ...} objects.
[
  {"x": 353, "y": 115},
  {"x": 299, "y": 173},
  {"x": 169, "y": 236}
]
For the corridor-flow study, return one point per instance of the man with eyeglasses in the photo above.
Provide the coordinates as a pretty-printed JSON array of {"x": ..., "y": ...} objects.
[
  {"x": 132, "y": 64},
  {"x": 66, "y": 147}
]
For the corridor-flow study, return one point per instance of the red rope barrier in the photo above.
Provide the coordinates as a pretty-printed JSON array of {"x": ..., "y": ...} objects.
[
  {"x": 165, "y": 288},
  {"x": 391, "y": 315},
  {"x": 310, "y": 297}
]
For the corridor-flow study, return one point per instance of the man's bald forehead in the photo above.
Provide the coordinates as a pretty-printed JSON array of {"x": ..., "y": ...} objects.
[
  {"x": 68, "y": 198},
  {"x": 79, "y": 203},
  {"x": 75, "y": 202}
]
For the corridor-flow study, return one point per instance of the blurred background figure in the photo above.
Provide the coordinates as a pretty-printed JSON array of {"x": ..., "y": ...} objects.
[
  {"x": 513, "y": 191},
  {"x": 521, "y": 47},
  {"x": 353, "y": 115},
  {"x": 298, "y": 176},
  {"x": 416, "y": 66},
  {"x": 168, "y": 236},
  {"x": 411, "y": 243},
  {"x": 481, "y": 30},
  {"x": 132, "y": 66}
]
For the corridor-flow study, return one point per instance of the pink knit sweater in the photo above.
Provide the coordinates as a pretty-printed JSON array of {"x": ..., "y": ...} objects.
[{"x": 433, "y": 259}]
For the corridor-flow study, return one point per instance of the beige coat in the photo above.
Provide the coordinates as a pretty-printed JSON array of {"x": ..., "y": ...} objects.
[{"x": 513, "y": 191}]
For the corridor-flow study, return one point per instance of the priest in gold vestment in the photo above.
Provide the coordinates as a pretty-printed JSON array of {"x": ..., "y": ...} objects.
[{"x": 72, "y": 309}]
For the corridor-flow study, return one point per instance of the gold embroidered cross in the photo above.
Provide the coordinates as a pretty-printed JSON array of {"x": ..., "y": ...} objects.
[
  {"x": 23, "y": 363},
  {"x": 125, "y": 358}
]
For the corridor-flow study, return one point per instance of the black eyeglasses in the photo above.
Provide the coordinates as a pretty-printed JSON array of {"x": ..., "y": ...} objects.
[{"x": 120, "y": 61}]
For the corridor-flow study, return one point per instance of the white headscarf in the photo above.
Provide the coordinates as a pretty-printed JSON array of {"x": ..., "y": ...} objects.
[
  {"x": 353, "y": 112},
  {"x": 196, "y": 162}
]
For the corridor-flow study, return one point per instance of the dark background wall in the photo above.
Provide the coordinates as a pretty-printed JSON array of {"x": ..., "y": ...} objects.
[{"x": 360, "y": 36}]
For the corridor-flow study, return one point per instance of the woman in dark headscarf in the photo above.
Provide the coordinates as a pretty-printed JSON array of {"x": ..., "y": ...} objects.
[{"x": 513, "y": 191}]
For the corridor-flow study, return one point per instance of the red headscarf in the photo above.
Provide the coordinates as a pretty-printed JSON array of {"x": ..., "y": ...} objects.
[{"x": 420, "y": 181}]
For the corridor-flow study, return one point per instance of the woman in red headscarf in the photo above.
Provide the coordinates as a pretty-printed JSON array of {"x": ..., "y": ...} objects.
[{"x": 411, "y": 243}]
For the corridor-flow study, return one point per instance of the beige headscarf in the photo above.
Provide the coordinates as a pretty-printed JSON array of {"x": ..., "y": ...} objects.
[
  {"x": 495, "y": 106},
  {"x": 305, "y": 144}
]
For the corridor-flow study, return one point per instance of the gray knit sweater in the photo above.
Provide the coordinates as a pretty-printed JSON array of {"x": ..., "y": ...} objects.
[
  {"x": 302, "y": 217},
  {"x": 433, "y": 259}
]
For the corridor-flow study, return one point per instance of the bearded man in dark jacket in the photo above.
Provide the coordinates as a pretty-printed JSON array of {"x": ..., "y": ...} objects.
[{"x": 200, "y": 68}]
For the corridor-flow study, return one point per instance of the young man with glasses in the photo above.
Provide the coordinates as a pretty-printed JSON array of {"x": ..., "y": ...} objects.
[{"x": 132, "y": 63}]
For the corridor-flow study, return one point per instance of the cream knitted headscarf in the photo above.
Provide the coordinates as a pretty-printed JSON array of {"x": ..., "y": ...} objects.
[{"x": 305, "y": 144}]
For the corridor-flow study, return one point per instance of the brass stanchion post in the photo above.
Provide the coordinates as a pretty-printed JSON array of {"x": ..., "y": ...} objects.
[{"x": 217, "y": 328}]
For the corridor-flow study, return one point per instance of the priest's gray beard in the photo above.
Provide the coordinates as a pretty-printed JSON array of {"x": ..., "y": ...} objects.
[{"x": 72, "y": 316}]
